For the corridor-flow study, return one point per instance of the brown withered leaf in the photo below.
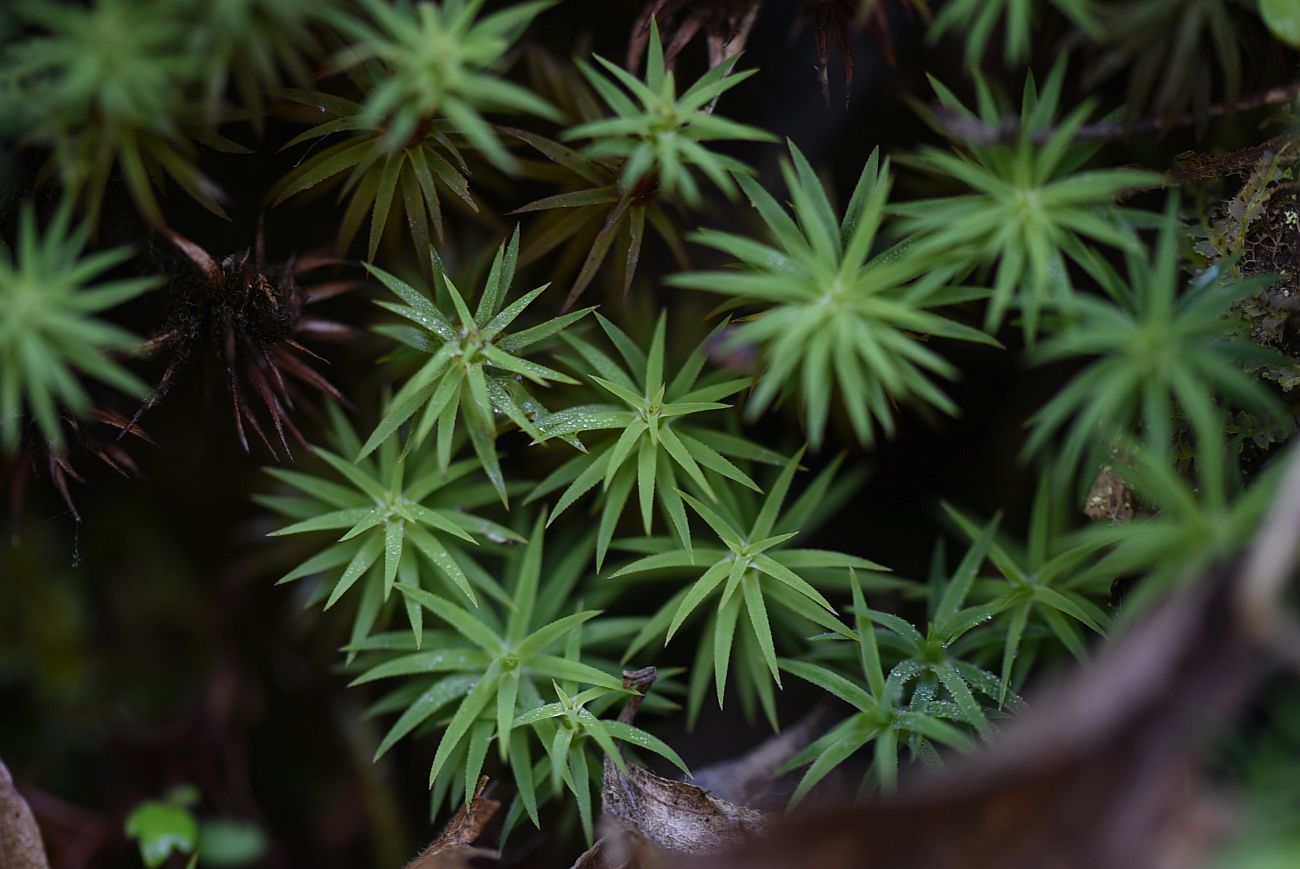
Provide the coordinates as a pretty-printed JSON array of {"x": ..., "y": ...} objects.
[
  {"x": 244, "y": 317},
  {"x": 651, "y": 822},
  {"x": 20, "y": 839},
  {"x": 674, "y": 816},
  {"x": 454, "y": 847},
  {"x": 648, "y": 820}
]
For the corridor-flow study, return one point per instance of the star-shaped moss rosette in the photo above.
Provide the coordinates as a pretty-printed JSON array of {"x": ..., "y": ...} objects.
[
  {"x": 106, "y": 88},
  {"x": 254, "y": 45},
  {"x": 1046, "y": 593},
  {"x": 486, "y": 679},
  {"x": 884, "y": 717},
  {"x": 1178, "y": 55},
  {"x": 977, "y": 22},
  {"x": 660, "y": 133},
  {"x": 1152, "y": 346},
  {"x": 1030, "y": 208},
  {"x": 657, "y": 449},
  {"x": 52, "y": 330},
  {"x": 596, "y": 218},
  {"x": 588, "y": 220},
  {"x": 427, "y": 73},
  {"x": 402, "y": 519},
  {"x": 473, "y": 362},
  {"x": 832, "y": 320},
  {"x": 934, "y": 664},
  {"x": 644, "y": 156},
  {"x": 747, "y": 567},
  {"x": 1206, "y": 516}
]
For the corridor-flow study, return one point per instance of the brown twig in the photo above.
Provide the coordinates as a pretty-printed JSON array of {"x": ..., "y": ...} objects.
[
  {"x": 640, "y": 682},
  {"x": 454, "y": 848},
  {"x": 974, "y": 131}
]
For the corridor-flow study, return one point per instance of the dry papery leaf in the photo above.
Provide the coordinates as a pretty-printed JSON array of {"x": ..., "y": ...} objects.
[{"x": 648, "y": 820}]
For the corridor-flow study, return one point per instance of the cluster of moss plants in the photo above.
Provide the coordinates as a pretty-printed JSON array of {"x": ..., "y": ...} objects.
[{"x": 513, "y": 498}]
